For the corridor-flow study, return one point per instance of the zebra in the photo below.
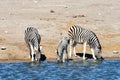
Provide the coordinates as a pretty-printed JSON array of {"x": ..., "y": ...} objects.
[
  {"x": 80, "y": 35},
  {"x": 62, "y": 47},
  {"x": 32, "y": 39}
]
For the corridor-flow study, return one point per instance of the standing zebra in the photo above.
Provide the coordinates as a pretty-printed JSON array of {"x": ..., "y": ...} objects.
[
  {"x": 32, "y": 39},
  {"x": 80, "y": 35}
]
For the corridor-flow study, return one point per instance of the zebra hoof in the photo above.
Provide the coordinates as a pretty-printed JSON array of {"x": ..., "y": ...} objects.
[
  {"x": 84, "y": 58},
  {"x": 59, "y": 62},
  {"x": 34, "y": 63},
  {"x": 75, "y": 55}
]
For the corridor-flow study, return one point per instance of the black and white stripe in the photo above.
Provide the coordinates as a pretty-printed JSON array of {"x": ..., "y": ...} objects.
[
  {"x": 32, "y": 39},
  {"x": 79, "y": 35}
]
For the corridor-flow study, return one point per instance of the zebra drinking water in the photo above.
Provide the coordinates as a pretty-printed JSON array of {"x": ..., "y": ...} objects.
[
  {"x": 79, "y": 35},
  {"x": 32, "y": 39},
  {"x": 61, "y": 48}
]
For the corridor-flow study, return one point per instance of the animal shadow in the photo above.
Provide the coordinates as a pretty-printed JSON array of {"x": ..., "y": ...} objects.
[
  {"x": 88, "y": 56},
  {"x": 43, "y": 57}
]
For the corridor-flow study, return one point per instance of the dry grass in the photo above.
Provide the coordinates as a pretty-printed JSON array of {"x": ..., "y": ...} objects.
[{"x": 78, "y": 16}]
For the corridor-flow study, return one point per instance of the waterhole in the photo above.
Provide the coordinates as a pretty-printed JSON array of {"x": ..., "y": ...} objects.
[{"x": 51, "y": 70}]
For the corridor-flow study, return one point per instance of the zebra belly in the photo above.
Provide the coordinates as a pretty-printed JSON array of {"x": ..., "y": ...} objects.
[{"x": 80, "y": 41}]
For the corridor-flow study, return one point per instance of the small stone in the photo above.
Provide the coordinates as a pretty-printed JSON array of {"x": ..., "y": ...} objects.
[
  {"x": 78, "y": 16},
  {"x": 3, "y": 48},
  {"x": 51, "y": 11},
  {"x": 115, "y": 52}
]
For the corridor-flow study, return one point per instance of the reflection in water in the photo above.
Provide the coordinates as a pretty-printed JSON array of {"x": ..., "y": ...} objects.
[
  {"x": 34, "y": 63},
  {"x": 74, "y": 70}
]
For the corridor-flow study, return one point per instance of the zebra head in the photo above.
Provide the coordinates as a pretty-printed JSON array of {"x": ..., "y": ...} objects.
[
  {"x": 98, "y": 52},
  {"x": 37, "y": 54},
  {"x": 59, "y": 58}
]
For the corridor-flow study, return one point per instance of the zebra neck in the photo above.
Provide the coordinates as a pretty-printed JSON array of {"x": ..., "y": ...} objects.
[{"x": 96, "y": 44}]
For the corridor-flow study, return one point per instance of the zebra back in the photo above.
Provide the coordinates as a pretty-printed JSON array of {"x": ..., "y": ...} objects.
[{"x": 32, "y": 36}]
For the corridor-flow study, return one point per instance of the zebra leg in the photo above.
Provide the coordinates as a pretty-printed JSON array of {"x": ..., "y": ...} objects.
[
  {"x": 92, "y": 50},
  {"x": 63, "y": 57},
  {"x": 74, "y": 51},
  {"x": 71, "y": 46},
  {"x": 67, "y": 55},
  {"x": 74, "y": 45},
  {"x": 84, "y": 50},
  {"x": 37, "y": 56},
  {"x": 30, "y": 56},
  {"x": 32, "y": 52}
]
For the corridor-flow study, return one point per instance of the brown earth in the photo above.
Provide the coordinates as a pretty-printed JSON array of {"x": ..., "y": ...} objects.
[{"x": 53, "y": 18}]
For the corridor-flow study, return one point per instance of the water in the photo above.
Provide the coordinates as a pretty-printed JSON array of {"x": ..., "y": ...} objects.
[{"x": 77, "y": 70}]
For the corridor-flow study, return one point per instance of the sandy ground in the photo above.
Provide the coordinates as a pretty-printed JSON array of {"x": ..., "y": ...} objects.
[{"x": 53, "y": 18}]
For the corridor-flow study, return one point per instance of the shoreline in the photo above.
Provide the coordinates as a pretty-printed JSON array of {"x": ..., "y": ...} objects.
[{"x": 50, "y": 59}]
